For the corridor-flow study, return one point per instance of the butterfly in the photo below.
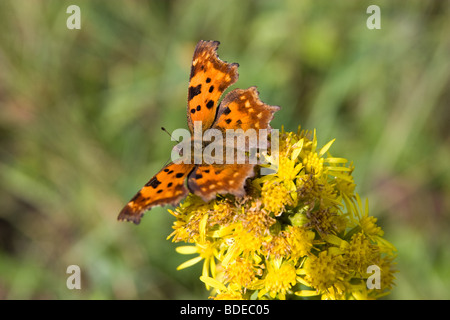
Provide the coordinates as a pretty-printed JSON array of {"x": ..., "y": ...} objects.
[{"x": 239, "y": 109}]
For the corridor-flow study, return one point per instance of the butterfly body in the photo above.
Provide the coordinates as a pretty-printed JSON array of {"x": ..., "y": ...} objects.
[{"x": 239, "y": 110}]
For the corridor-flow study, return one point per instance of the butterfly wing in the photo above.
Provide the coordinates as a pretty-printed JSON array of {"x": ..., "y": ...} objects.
[
  {"x": 242, "y": 109},
  {"x": 209, "y": 78},
  {"x": 208, "y": 180},
  {"x": 166, "y": 187}
]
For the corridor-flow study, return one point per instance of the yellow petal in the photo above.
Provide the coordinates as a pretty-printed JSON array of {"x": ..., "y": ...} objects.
[
  {"x": 298, "y": 168},
  {"x": 298, "y": 146},
  {"x": 325, "y": 147},
  {"x": 189, "y": 263},
  {"x": 205, "y": 268},
  {"x": 186, "y": 249},
  {"x": 306, "y": 293},
  {"x": 336, "y": 160},
  {"x": 223, "y": 231},
  {"x": 212, "y": 265},
  {"x": 213, "y": 283},
  {"x": 303, "y": 281},
  {"x": 344, "y": 177},
  {"x": 232, "y": 252},
  {"x": 314, "y": 142},
  {"x": 338, "y": 169},
  {"x": 172, "y": 213},
  {"x": 202, "y": 228},
  {"x": 333, "y": 240},
  {"x": 334, "y": 251}
]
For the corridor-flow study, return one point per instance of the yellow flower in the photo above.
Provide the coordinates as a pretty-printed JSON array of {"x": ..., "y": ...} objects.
[
  {"x": 313, "y": 164},
  {"x": 369, "y": 226},
  {"x": 275, "y": 197},
  {"x": 180, "y": 232},
  {"x": 207, "y": 252},
  {"x": 303, "y": 225},
  {"x": 360, "y": 253},
  {"x": 325, "y": 272},
  {"x": 300, "y": 241},
  {"x": 240, "y": 243},
  {"x": 223, "y": 292},
  {"x": 223, "y": 212},
  {"x": 277, "y": 246},
  {"x": 241, "y": 272},
  {"x": 360, "y": 217},
  {"x": 189, "y": 214},
  {"x": 344, "y": 180},
  {"x": 257, "y": 220},
  {"x": 288, "y": 169},
  {"x": 279, "y": 279},
  {"x": 325, "y": 221},
  {"x": 387, "y": 270}
]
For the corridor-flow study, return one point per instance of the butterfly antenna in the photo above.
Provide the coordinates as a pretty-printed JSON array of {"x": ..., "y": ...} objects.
[{"x": 165, "y": 130}]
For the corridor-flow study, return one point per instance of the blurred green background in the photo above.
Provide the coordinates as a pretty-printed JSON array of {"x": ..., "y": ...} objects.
[{"x": 81, "y": 111}]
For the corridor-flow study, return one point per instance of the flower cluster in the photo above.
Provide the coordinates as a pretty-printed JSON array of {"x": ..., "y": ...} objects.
[{"x": 299, "y": 232}]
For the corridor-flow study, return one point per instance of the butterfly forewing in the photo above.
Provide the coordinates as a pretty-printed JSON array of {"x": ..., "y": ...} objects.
[
  {"x": 242, "y": 109},
  {"x": 166, "y": 187},
  {"x": 209, "y": 78}
]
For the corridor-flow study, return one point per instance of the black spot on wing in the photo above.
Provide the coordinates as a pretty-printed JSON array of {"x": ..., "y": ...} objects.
[
  {"x": 192, "y": 72},
  {"x": 210, "y": 104},
  {"x": 136, "y": 196},
  {"x": 193, "y": 91},
  {"x": 154, "y": 183}
]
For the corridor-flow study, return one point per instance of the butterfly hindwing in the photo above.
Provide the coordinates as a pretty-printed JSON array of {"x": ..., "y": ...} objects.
[
  {"x": 166, "y": 187},
  {"x": 208, "y": 180},
  {"x": 209, "y": 78}
]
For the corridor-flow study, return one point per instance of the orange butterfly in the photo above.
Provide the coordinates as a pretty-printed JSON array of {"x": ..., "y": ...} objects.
[{"x": 240, "y": 109}]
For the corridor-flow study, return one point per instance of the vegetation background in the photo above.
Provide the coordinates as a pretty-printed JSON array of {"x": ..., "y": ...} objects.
[{"x": 81, "y": 112}]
